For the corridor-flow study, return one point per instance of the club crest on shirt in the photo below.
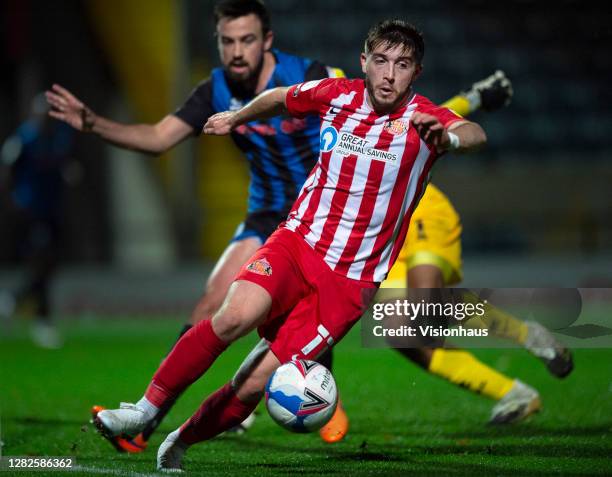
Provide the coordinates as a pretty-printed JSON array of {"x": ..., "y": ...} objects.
[
  {"x": 395, "y": 127},
  {"x": 261, "y": 267}
]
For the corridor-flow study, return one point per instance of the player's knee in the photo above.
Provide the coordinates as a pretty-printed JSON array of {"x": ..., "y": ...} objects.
[
  {"x": 232, "y": 323},
  {"x": 425, "y": 276}
]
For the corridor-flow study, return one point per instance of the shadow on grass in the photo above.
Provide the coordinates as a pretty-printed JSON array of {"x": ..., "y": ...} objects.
[
  {"x": 531, "y": 430},
  {"x": 41, "y": 421},
  {"x": 347, "y": 464}
]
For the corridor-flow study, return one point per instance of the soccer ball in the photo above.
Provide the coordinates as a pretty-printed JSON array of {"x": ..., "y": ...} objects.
[{"x": 301, "y": 396}]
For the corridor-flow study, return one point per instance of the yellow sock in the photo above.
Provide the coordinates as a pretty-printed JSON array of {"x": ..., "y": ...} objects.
[
  {"x": 464, "y": 369},
  {"x": 499, "y": 323}
]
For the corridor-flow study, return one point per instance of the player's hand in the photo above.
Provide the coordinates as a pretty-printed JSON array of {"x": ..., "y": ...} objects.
[
  {"x": 220, "y": 124},
  {"x": 68, "y": 108},
  {"x": 495, "y": 91},
  {"x": 431, "y": 131}
]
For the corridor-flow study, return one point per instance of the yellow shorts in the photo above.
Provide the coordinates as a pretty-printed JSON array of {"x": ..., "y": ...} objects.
[{"x": 433, "y": 238}]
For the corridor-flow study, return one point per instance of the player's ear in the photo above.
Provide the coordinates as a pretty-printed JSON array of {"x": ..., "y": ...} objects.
[
  {"x": 363, "y": 58},
  {"x": 417, "y": 72},
  {"x": 268, "y": 39}
]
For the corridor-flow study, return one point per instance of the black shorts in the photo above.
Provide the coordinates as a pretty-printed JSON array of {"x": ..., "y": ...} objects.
[{"x": 259, "y": 224}]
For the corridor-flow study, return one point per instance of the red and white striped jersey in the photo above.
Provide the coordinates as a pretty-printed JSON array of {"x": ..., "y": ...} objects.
[{"x": 355, "y": 206}]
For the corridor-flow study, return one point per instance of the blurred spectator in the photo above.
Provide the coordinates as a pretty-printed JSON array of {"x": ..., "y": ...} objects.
[{"x": 34, "y": 162}]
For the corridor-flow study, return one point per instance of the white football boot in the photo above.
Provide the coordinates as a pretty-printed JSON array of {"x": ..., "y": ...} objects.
[
  {"x": 170, "y": 453},
  {"x": 518, "y": 403},
  {"x": 542, "y": 344},
  {"x": 128, "y": 420}
]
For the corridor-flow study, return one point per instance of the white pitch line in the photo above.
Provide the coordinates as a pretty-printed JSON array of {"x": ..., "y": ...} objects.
[{"x": 102, "y": 470}]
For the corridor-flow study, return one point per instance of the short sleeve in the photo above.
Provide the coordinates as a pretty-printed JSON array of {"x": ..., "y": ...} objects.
[
  {"x": 445, "y": 116},
  {"x": 197, "y": 107},
  {"x": 309, "y": 97}
]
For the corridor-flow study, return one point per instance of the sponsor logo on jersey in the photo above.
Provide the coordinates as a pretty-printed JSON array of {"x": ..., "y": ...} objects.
[
  {"x": 329, "y": 138},
  {"x": 349, "y": 144},
  {"x": 261, "y": 267},
  {"x": 396, "y": 127}
]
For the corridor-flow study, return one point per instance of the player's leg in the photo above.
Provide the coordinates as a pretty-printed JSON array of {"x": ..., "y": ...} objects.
[
  {"x": 516, "y": 400},
  {"x": 425, "y": 276},
  {"x": 222, "y": 410},
  {"x": 246, "y": 306},
  {"x": 42, "y": 243},
  {"x": 227, "y": 267},
  {"x": 499, "y": 323},
  {"x": 271, "y": 272},
  {"x": 217, "y": 285},
  {"x": 222, "y": 276},
  {"x": 327, "y": 309},
  {"x": 531, "y": 335},
  {"x": 225, "y": 270},
  {"x": 457, "y": 366}
]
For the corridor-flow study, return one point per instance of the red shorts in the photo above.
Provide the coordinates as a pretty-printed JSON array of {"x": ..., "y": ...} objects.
[{"x": 312, "y": 306}]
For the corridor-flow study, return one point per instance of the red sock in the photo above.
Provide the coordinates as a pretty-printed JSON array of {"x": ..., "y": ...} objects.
[
  {"x": 190, "y": 358},
  {"x": 220, "y": 412}
]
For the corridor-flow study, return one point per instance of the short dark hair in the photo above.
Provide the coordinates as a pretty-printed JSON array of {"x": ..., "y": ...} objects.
[
  {"x": 393, "y": 33},
  {"x": 241, "y": 8}
]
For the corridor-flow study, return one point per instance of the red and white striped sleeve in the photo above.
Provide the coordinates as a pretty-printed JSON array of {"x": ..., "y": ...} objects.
[
  {"x": 444, "y": 115},
  {"x": 310, "y": 97}
]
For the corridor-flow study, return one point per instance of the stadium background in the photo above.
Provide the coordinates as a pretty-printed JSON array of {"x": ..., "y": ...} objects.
[
  {"x": 541, "y": 187},
  {"x": 140, "y": 234}
]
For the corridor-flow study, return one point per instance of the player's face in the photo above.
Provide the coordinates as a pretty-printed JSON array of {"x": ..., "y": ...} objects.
[
  {"x": 390, "y": 73},
  {"x": 242, "y": 45}
]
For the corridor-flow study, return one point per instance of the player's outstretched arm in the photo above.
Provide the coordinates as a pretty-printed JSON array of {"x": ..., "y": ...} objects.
[
  {"x": 149, "y": 138},
  {"x": 268, "y": 104},
  {"x": 462, "y": 136},
  {"x": 491, "y": 93}
]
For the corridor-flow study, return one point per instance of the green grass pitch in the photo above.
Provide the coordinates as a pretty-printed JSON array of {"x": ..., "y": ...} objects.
[{"x": 403, "y": 421}]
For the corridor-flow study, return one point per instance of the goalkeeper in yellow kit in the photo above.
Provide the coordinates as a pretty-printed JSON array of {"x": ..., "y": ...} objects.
[{"x": 431, "y": 258}]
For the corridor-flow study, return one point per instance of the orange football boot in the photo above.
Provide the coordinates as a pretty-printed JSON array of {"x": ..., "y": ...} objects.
[
  {"x": 123, "y": 444},
  {"x": 337, "y": 427}
]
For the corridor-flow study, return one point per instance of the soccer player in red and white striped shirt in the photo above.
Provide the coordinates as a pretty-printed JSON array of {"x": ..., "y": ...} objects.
[{"x": 315, "y": 276}]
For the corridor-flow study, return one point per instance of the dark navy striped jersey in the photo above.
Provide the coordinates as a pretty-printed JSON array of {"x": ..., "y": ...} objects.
[{"x": 281, "y": 151}]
